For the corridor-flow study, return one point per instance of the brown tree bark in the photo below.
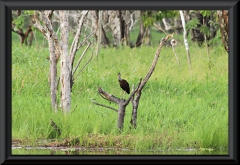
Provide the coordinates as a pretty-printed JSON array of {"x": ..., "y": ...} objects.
[{"x": 223, "y": 22}]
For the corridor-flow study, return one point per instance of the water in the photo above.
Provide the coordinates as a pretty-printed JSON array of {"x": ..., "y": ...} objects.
[{"x": 106, "y": 151}]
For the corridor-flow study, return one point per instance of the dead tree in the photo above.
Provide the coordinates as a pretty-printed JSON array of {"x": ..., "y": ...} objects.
[
  {"x": 137, "y": 96},
  {"x": 58, "y": 48},
  {"x": 134, "y": 96},
  {"x": 122, "y": 104}
]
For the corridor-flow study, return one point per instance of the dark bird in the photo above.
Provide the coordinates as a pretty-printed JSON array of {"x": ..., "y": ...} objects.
[{"x": 123, "y": 84}]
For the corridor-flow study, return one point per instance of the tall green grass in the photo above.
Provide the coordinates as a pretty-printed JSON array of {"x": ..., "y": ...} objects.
[{"x": 179, "y": 108}]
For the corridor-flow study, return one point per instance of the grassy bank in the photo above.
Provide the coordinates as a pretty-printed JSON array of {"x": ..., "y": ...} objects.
[{"x": 179, "y": 108}]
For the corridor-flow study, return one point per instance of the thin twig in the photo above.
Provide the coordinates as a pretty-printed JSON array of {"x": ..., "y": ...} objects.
[
  {"x": 84, "y": 66},
  {"x": 80, "y": 59},
  {"x": 92, "y": 33},
  {"x": 163, "y": 41},
  {"x": 85, "y": 40},
  {"x": 74, "y": 46},
  {"x": 103, "y": 105}
]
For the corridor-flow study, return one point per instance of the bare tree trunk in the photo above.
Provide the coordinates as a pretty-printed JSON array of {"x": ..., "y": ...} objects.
[
  {"x": 127, "y": 27},
  {"x": 53, "y": 73},
  {"x": 65, "y": 63},
  {"x": 185, "y": 38},
  {"x": 121, "y": 20},
  {"x": 141, "y": 31},
  {"x": 59, "y": 47},
  {"x": 223, "y": 22},
  {"x": 121, "y": 114},
  {"x": 135, "y": 103},
  {"x": 100, "y": 36},
  {"x": 99, "y": 39},
  {"x": 53, "y": 45},
  {"x": 115, "y": 27}
]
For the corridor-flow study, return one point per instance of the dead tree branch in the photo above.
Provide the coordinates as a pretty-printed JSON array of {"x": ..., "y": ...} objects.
[
  {"x": 122, "y": 103},
  {"x": 102, "y": 96},
  {"x": 80, "y": 59},
  {"x": 135, "y": 101},
  {"x": 163, "y": 41},
  {"x": 85, "y": 65},
  {"x": 108, "y": 96},
  {"x": 94, "y": 102},
  {"x": 75, "y": 42}
]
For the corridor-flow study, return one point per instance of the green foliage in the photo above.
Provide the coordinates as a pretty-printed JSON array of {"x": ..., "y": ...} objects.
[
  {"x": 205, "y": 30},
  {"x": 22, "y": 21},
  {"x": 216, "y": 39},
  {"x": 19, "y": 22},
  {"x": 214, "y": 24},
  {"x": 28, "y": 12},
  {"x": 206, "y": 13},
  {"x": 166, "y": 14},
  {"x": 149, "y": 16},
  {"x": 192, "y": 23}
]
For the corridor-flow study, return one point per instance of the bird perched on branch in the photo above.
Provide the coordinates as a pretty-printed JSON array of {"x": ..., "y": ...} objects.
[{"x": 123, "y": 84}]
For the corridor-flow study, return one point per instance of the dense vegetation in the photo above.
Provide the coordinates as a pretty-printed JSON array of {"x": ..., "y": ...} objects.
[{"x": 179, "y": 108}]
